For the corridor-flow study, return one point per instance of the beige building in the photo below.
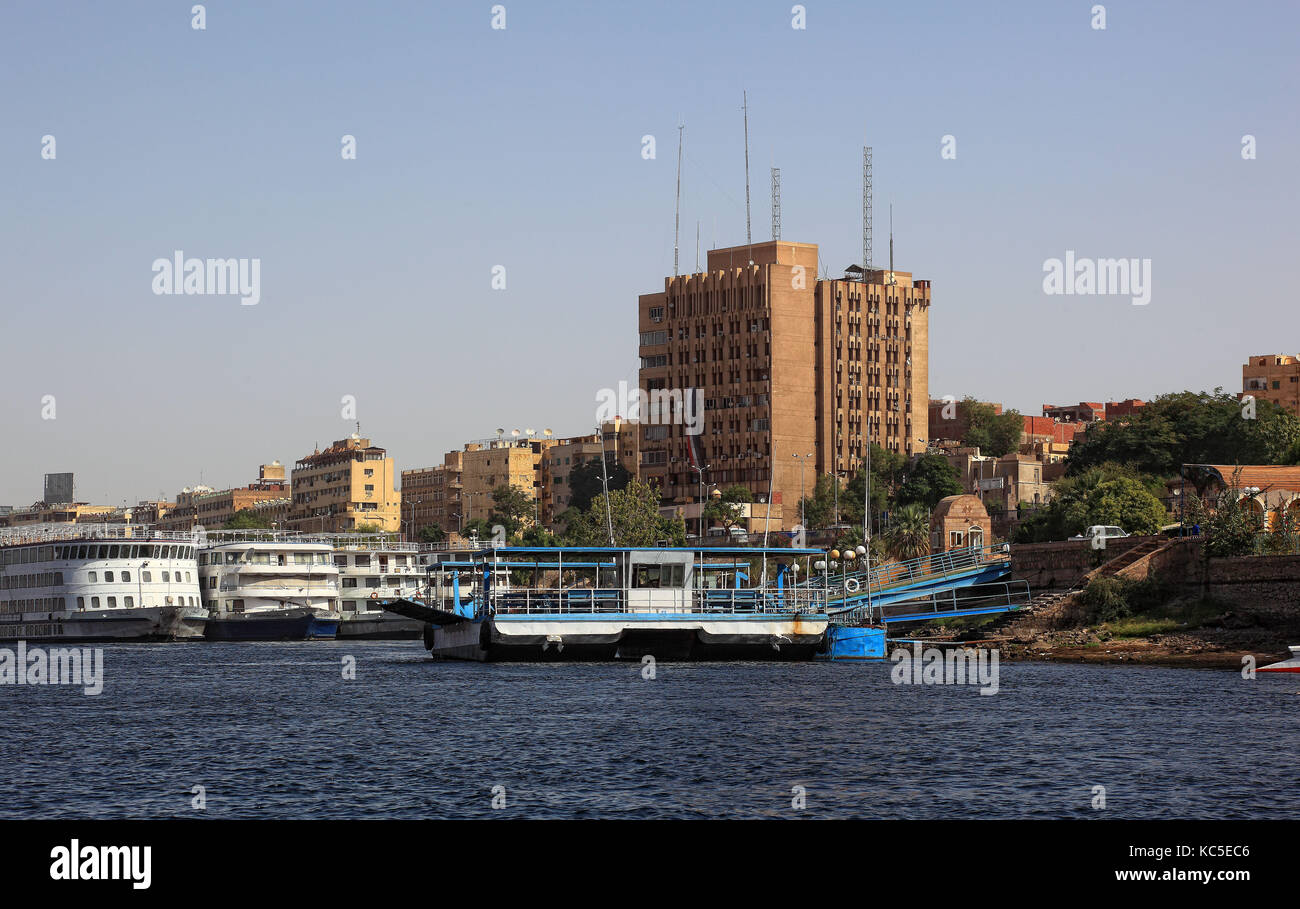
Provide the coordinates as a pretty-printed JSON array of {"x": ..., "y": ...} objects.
[
  {"x": 1273, "y": 377},
  {"x": 68, "y": 513},
  {"x": 497, "y": 462},
  {"x": 431, "y": 496},
  {"x": 787, "y": 370},
  {"x": 348, "y": 485}
]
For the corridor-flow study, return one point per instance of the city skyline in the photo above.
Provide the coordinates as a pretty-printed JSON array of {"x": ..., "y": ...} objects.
[{"x": 378, "y": 272}]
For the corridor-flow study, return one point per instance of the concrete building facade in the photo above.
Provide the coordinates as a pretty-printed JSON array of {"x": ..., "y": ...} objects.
[
  {"x": 348, "y": 485},
  {"x": 793, "y": 375},
  {"x": 1273, "y": 377}
]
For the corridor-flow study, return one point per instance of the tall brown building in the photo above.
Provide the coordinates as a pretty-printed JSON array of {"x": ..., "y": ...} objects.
[{"x": 786, "y": 366}]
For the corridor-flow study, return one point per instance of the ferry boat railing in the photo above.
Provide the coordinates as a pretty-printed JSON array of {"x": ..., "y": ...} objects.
[
  {"x": 939, "y": 565},
  {"x": 47, "y": 533},
  {"x": 997, "y": 596},
  {"x": 614, "y": 601}
]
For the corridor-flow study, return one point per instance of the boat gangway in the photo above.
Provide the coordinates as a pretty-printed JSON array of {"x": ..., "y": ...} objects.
[{"x": 968, "y": 581}]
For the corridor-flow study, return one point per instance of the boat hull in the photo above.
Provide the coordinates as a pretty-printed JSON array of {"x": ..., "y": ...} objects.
[
  {"x": 669, "y": 638},
  {"x": 387, "y": 627},
  {"x": 142, "y": 623},
  {"x": 1291, "y": 665},
  {"x": 848, "y": 642},
  {"x": 286, "y": 625}
]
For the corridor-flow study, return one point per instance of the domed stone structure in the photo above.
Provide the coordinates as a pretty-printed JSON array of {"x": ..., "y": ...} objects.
[{"x": 958, "y": 522}]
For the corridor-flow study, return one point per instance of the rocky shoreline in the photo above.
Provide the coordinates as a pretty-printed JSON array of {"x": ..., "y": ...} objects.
[{"x": 1055, "y": 635}]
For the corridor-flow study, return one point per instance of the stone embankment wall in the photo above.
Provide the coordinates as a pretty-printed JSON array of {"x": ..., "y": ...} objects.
[{"x": 1061, "y": 565}]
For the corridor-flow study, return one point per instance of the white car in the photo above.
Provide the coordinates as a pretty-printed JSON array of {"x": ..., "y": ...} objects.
[{"x": 1103, "y": 531}]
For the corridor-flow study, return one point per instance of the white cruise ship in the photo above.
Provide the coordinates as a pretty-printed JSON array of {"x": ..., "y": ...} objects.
[
  {"x": 373, "y": 568},
  {"x": 98, "y": 582},
  {"x": 268, "y": 586}
]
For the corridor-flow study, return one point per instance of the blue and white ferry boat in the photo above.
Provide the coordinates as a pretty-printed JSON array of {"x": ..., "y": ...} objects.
[{"x": 611, "y": 603}]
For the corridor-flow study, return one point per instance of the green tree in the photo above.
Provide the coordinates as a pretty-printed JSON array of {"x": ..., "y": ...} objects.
[
  {"x": 1233, "y": 524},
  {"x": 586, "y": 480},
  {"x": 477, "y": 528},
  {"x": 1106, "y": 494},
  {"x": 819, "y": 508},
  {"x": 248, "y": 519},
  {"x": 929, "y": 479},
  {"x": 538, "y": 536},
  {"x": 728, "y": 509},
  {"x": 431, "y": 534},
  {"x": 993, "y": 433},
  {"x": 512, "y": 508},
  {"x": 1190, "y": 428},
  {"x": 634, "y": 511},
  {"x": 908, "y": 536},
  {"x": 887, "y": 468}
]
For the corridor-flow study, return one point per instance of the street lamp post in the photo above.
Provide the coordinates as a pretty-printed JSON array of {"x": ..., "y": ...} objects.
[
  {"x": 700, "y": 471},
  {"x": 802, "y": 461}
]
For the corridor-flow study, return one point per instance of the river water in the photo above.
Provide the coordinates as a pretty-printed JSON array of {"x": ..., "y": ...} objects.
[{"x": 277, "y": 731}]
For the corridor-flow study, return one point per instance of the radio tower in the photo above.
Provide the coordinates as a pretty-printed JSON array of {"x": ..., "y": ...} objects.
[
  {"x": 749, "y": 236},
  {"x": 866, "y": 211},
  {"x": 776, "y": 203},
  {"x": 677, "y": 216}
]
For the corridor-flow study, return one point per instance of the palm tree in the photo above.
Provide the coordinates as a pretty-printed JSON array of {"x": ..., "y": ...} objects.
[{"x": 908, "y": 536}]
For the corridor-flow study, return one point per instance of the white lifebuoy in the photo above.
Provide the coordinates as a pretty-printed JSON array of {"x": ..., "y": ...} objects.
[{"x": 852, "y": 585}]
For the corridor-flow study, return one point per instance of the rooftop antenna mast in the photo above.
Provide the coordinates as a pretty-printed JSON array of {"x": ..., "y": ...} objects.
[
  {"x": 892, "y": 280},
  {"x": 677, "y": 218},
  {"x": 776, "y": 203},
  {"x": 697, "y": 247},
  {"x": 749, "y": 235},
  {"x": 866, "y": 211}
]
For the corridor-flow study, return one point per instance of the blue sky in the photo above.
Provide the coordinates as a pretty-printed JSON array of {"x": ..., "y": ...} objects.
[{"x": 522, "y": 147}]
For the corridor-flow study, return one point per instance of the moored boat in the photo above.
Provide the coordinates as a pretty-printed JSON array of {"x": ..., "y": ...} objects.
[
  {"x": 374, "y": 568},
  {"x": 1289, "y": 665},
  {"x": 611, "y": 603},
  {"x": 269, "y": 586},
  {"x": 98, "y": 583}
]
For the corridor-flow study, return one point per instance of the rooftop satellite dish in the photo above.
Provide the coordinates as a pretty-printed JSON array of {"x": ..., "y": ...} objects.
[
  {"x": 530, "y": 433},
  {"x": 515, "y": 433},
  {"x": 547, "y": 433}
]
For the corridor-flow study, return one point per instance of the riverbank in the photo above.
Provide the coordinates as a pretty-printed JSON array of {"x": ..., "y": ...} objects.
[{"x": 1188, "y": 634}]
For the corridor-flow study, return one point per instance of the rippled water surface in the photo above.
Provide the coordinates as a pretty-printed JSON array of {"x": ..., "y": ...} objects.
[{"x": 274, "y": 730}]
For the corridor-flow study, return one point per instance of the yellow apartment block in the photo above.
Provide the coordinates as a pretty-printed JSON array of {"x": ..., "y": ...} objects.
[{"x": 346, "y": 486}]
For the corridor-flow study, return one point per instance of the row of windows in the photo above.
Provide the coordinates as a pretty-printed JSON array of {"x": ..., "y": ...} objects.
[
  {"x": 265, "y": 558},
  {"x": 124, "y": 552},
  {"x": 25, "y": 555},
  {"x": 146, "y": 577},
  {"x": 19, "y": 581},
  {"x": 391, "y": 581},
  {"x": 39, "y": 604}
]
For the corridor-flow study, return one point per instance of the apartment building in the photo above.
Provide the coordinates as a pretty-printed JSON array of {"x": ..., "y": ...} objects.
[
  {"x": 431, "y": 496},
  {"x": 350, "y": 484},
  {"x": 1273, "y": 377},
  {"x": 793, "y": 376}
]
